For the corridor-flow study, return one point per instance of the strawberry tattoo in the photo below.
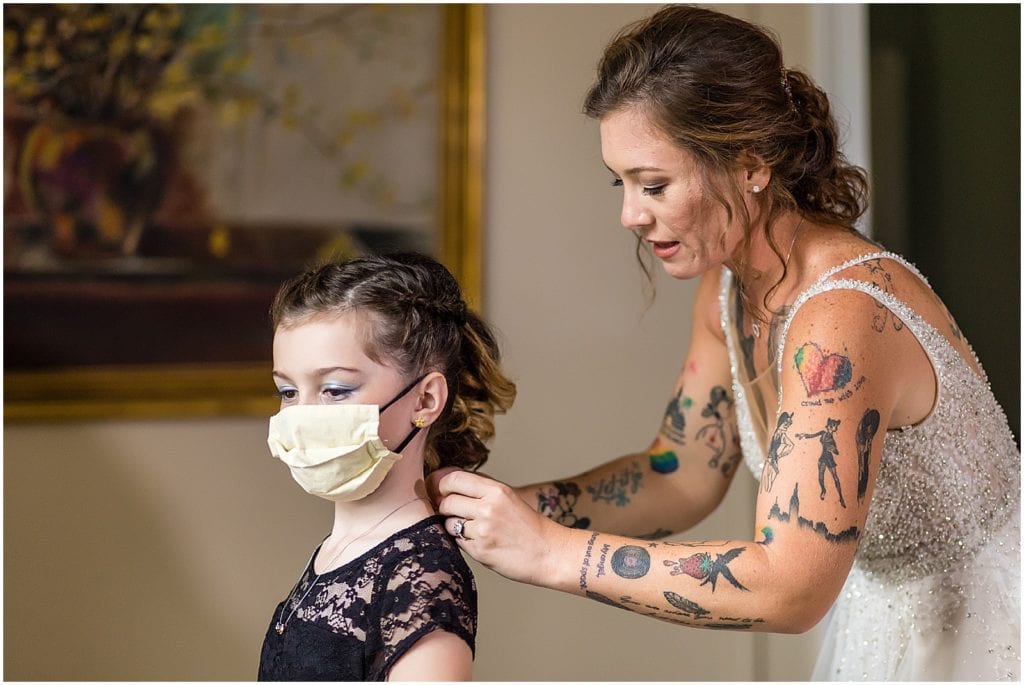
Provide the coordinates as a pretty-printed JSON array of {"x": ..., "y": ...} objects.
[{"x": 703, "y": 568}]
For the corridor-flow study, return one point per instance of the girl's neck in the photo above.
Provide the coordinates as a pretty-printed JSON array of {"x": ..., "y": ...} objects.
[
  {"x": 402, "y": 498},
  {"x": 383, "y": 514},
  {"x": 359, "y": 531},
  {"x": 399, "y": 502}
]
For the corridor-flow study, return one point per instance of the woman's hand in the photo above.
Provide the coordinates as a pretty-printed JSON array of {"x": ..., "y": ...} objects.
[
  {"x": 432, "y": 488},
  {"x": 495, "y": 527}
]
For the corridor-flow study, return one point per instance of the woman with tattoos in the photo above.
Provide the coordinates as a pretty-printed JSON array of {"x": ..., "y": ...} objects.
[{"x": 731, "y": 173}]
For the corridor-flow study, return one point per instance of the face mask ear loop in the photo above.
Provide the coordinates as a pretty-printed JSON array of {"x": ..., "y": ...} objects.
[
  {"x": 402, "y": 394},
  {"x": 408, "y": 438}
]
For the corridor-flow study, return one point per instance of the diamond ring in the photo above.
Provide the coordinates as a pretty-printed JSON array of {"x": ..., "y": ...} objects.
[{"x": 460, "y": 524}]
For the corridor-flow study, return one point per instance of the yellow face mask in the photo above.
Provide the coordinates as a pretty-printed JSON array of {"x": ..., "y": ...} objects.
[{"x": 334, "y": 451}]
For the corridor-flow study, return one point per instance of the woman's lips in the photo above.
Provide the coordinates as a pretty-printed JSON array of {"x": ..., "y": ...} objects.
[{"x": 664, "y": 250}]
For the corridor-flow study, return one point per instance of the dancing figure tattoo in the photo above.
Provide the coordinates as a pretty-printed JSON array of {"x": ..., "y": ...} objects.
[
  {"x": 827, "y": 461},
  {"x": 674, "y": 425},
  {"x": 779, "y": 447}
]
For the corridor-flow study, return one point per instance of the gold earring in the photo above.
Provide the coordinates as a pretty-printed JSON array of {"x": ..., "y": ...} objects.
[{"x": 419, "y": 422}]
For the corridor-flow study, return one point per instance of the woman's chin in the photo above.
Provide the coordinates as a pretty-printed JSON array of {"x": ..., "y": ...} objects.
[{"x": 683, "y": 269}]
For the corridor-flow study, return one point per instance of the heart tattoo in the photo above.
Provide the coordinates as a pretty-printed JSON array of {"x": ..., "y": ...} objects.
[{"x": 822, "y": 372}]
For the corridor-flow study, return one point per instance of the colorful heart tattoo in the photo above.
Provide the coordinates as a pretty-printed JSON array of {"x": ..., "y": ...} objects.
[{"x": 820, "y": 371}]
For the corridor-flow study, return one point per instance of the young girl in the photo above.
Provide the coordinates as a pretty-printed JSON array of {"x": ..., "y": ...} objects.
[{"x": 384, "y": 375}]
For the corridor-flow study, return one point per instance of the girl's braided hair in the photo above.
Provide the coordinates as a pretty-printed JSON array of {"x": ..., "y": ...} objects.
[{"x": 419, "y": 322}]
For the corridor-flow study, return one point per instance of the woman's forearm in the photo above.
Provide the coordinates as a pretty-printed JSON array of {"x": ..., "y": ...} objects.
[
  {"x": 725, "y": 585},
  {"x": 624, "y": 496}
]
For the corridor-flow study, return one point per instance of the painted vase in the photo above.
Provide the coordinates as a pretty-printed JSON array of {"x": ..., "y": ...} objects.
[{"x": 93, "y": 186}]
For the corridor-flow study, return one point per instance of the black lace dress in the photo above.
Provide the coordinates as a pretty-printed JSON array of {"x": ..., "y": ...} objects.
[{"x": 362, "y": 617}]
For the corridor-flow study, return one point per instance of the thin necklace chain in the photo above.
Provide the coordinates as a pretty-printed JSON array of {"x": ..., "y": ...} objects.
[
  {"x": 282, "y": 624},
  {"x": 755, "y": 325}
]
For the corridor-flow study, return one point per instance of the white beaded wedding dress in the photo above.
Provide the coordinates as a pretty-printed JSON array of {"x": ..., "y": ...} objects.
[{"x": 934, "y": 592}]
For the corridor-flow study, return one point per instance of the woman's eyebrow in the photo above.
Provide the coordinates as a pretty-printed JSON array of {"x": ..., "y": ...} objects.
[{"x": 636, "y": 170}]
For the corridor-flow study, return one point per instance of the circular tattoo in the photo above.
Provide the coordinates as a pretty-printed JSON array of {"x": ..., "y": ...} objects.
[{"x": 631, "y": 561}]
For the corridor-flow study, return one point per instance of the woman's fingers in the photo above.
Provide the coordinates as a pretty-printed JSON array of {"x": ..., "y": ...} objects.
[
  {"x": 451, "y": 480},
  {"x": 432, "y": 492},
  {"x": 459, "y": 505},
  {"x": 492, "y": 525},
  {"x": 459, "y": 495},
  {"x": 457, "y": 527},
  {"x": 465, "y": 483}
]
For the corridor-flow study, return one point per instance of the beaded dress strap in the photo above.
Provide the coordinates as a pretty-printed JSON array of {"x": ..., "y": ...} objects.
[
  {"x": 725, "y": 320},
  {"x": 917, "y": 324},
  {"x": 753, "y": 453},
  {"x": 725, "y": 284},
  {"x": 829, "y": 273}
]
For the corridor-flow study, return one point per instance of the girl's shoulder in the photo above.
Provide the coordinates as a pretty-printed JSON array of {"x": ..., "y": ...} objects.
[{"x": 428, "y": 547}]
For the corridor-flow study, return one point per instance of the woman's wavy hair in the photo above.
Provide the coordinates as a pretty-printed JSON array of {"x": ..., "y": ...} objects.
[
  {"x": 717, "y": 86},
  {"x": 419, "y": 322}
]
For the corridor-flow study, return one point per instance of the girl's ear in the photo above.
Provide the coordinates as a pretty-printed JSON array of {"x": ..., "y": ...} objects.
[{"x": 431, "y": 397}]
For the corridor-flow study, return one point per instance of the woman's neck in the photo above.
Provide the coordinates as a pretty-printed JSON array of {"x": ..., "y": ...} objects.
[
  {"x": 807, "y": 249},
  {"x": 763, "y": 268}
]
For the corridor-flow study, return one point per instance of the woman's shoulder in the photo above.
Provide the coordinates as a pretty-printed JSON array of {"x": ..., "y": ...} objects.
[
  {"x": 840, "y": 252},
  {"x": 841, "y": 256},
  {"x": 823, "y": 287}
]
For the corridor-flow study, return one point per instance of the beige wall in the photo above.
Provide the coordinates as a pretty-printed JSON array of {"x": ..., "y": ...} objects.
[{"x": 156, "y": 550}]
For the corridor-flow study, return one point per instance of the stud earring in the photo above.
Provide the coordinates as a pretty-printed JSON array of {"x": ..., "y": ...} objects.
[
  {"x": 756, "y": 189},
  {"x": 419, "y": 422}
]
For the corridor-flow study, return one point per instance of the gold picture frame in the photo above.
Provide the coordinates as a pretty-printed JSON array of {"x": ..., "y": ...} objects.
[{"x": 245, "y": 389}]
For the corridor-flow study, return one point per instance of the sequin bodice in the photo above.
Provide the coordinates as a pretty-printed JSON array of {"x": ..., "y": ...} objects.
[
  {"x": 934, "y": 592},
  {"x": 945, "y": 484}
]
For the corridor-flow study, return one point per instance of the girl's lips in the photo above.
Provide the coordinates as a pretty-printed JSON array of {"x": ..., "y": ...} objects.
[{"x": 664, "y": 250}]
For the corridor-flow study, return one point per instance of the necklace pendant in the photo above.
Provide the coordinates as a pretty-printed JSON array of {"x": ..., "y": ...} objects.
[{"x": 279, "y": 628}]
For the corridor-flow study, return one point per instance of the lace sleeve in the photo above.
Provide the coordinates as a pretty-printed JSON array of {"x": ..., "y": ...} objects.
[{"x": 430, "y": 589}]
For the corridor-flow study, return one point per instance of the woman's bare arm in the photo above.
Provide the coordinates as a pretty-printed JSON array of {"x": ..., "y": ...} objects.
[
  {"x": 841, "y": 380},
  {"x": 684, "y": 473}
]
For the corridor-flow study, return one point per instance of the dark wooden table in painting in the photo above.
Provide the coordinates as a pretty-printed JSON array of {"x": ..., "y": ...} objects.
[
  {"x": 165, "y": 307},
  {"x": 91, "y": 333}
]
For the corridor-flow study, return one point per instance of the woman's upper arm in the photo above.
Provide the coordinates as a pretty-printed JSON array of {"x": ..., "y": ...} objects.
[
  {"x": 439, "y": 655},
  {"x": 840, "y": 381},
  {"x": 696, "y": 450},
  {"x": 686, "y": 469}
]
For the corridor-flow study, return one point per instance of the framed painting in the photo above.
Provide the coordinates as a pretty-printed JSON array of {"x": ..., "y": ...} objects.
[{"x": 168, "y": 166}]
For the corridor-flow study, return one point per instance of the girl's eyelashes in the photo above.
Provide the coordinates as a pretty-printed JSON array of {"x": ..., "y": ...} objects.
[
  {"x": 287, "y": 394},
  {"x": 329, "y": 393},
  {"x": 335, "y": 393},
  {"x": 616, "y": 182}
]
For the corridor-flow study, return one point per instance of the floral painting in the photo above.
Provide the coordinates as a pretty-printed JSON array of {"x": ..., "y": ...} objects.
[{"x": 167, "y": 166}]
